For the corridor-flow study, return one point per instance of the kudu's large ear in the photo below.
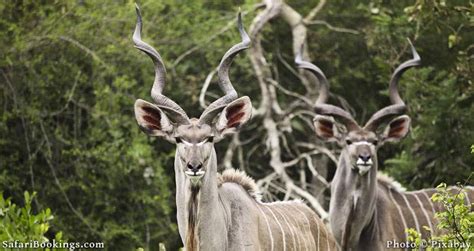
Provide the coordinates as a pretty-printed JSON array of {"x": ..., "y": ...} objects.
[
  {"x": 152, "y": 120},
  {"x": 397, "y": 129},
  {"x": 233, "y": 116},
  {"x": 325, "y": 128}
]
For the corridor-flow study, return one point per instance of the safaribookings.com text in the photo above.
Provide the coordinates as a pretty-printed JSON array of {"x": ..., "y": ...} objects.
[{"x": 53, "y": 244}]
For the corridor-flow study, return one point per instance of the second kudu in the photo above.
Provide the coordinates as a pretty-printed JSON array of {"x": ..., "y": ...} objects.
[
  {"x": 367, "y": 210},
  {"x": 221, "y": 212}
]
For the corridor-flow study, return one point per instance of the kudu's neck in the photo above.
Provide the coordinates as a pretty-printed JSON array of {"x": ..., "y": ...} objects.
[
  {"x": 199, "y": 212},
  {"x": 353, "y": 202}
]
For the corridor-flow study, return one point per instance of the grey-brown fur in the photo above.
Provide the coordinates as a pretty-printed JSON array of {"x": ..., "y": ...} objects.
[
  {"x": 220, "y": 212},
  {"x": 383, "y": 209},
  {"x": 367, "y": 212},
  {"x": 416, "y": 207},
  {"x": 223, "y": 212},
  {"x": 249, "y": 224}
]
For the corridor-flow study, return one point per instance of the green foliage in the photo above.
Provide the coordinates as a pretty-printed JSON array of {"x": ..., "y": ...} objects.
[
  {"x": 456, "y": 221},
  {"x": 414, "y": 237},
  {"x": 67, "y": 125},
  {"x": 21, "y": 224},
  {"x": 69, "y": 76},
  {"x": 439, "y": 95}
]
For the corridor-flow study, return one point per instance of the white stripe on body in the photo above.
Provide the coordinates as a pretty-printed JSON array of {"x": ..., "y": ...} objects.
[
  {"x": 417, "y": 225},
  {"x": 432, "y": 207},
  {"x": 312, "y": 241},
  {"x": 467, "y": 196},
  {"x": 429, "y": 200},
  {"x": 327, "y": 237},
  {"x": 319, "y": 241},
  {"x": 281, "y": 227},
  {"x": 400, "y": 212},
  {"x": 319, "y": 235},
  {"x": 467, "y": 199},
  {"x": 289, "y": 227},
  {"x": 297, "y": 228},
  {"x": 424, "y": 211},
  {"x": 268, "y": 226},
  {"x": 304, "y": 230}
]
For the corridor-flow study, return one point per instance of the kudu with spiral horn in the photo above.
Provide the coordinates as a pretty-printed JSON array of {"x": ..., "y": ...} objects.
[
  {"x": 221, "y": 211},
  {"x": 369, "y": 211}
]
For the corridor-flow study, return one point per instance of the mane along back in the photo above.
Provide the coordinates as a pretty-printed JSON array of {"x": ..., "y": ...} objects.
[
  {"x": 242, "y": 179},
  {"x": 389, "y": 182}
]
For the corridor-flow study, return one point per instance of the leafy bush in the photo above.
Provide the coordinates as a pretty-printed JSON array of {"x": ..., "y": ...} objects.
[
  {"x": 457, "y": 219},
  {"x": 21, "y": 224},
  {"x": 456, "y": 222},
  {"x": 69, "y": 76}
]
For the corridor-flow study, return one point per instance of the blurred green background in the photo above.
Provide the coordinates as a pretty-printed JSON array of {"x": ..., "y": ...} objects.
[{"x": 69, "y": 76}]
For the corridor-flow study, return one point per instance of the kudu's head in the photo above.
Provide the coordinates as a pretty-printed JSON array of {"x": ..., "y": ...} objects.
[
  {"x": 360, "y": 144},
  {"x": 194, "y": 137}
]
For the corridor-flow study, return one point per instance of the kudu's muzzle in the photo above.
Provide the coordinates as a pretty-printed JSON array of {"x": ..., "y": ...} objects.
[
  {"x": 363, "y": 158},
  {"x": 194, "y": 168}
]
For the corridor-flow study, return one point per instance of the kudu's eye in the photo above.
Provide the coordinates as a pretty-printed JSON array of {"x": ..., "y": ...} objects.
[
  {"x": 210, "y": 139},
  {"x": 348, "y": 141},
  {"x": 178, "y": 140},
  {"x": 375, "y": 142}
]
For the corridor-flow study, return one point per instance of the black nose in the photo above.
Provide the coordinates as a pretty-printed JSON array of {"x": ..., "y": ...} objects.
[
  {"x": 364, "y": 157},
  {"x": 194, "y": 166}
]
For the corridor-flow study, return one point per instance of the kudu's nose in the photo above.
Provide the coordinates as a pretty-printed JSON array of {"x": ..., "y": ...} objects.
[
  {"x": 364, "y": 157},
  {"x": 194, "y": 166}
]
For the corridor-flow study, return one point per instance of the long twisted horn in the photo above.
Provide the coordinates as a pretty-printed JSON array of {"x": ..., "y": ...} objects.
[
  {"x": 320, "y": 106},
  {"x": 223, "y": 75},
  {"x": 177, "y": 114},
  {"x": 398, "y": 106}
]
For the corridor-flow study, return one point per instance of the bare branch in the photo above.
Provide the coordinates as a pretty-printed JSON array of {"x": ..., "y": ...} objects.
[
  {"x": 315, "y": 173},
  {"x": 229, "y": 154},
  {"x": 25, "y": 132},
  {"x": 214, "y": 35},
  {"x": 315, "y": 11},
  {"x": 291, "y": 93},
  {"x": 202, "y": 94},
  {"x": 69, "y": 99},
  {"x": 333, "y": 28},
  {"x": 300, "y": 157},
  {"x": 47, "y": 152},
  {"x": 276, "y": 120},
  {"x": 224, "y": 29},
  {"x": 84, "y": 48},
  {"x": 319, "y": 148}
]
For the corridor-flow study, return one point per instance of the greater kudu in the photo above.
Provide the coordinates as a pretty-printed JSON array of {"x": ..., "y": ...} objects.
[
  {"x": 221, "y": 212},
  {"x": 368, "y": 210}
]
